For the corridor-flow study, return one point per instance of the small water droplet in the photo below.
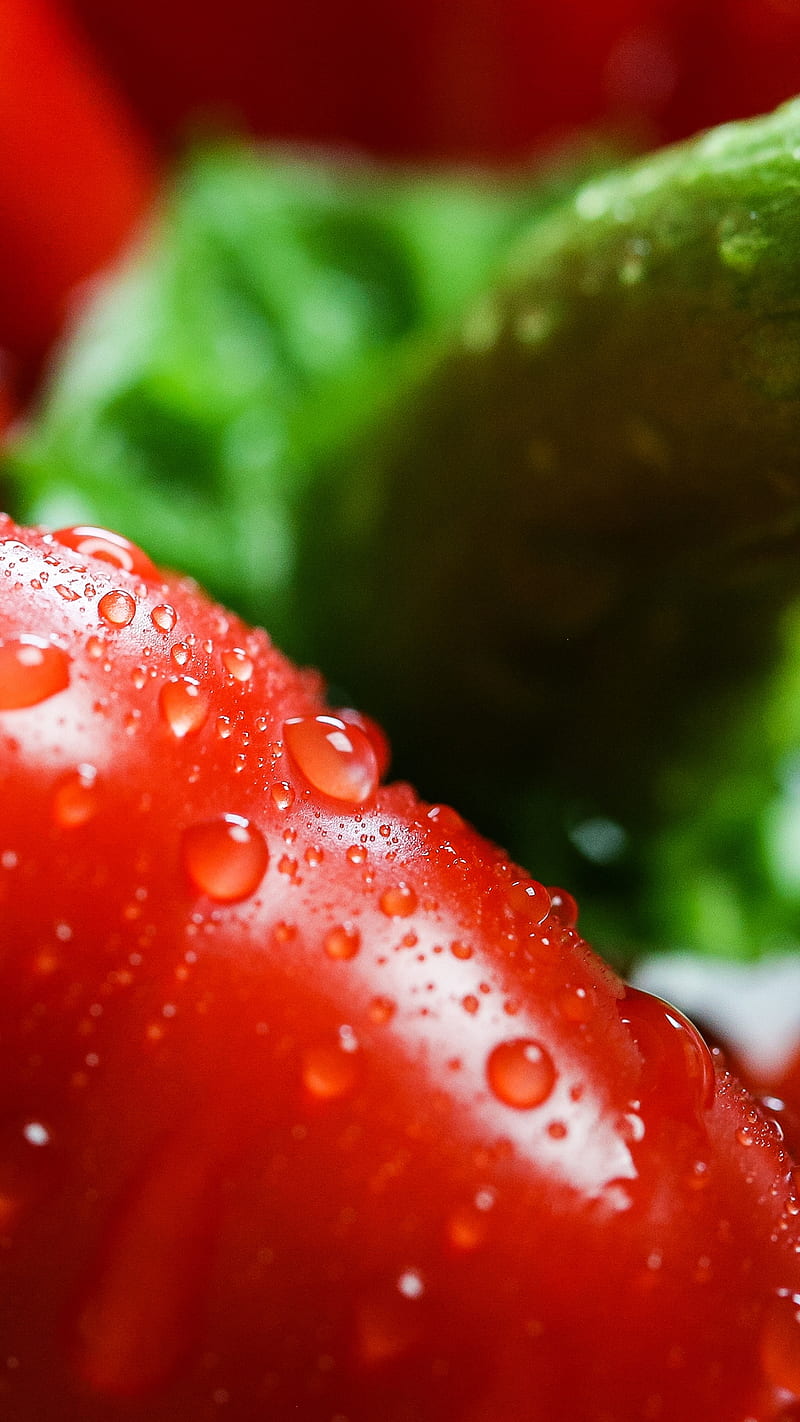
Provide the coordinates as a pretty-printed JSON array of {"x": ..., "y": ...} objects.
[
  {"x": 335, "y": 757},
  {"x": 76, "y": 800},
  {"x": 282, "y": 795},
  {"x": 563, "y": 907},
  {"x": 398, "y": 901},
  {"x": 31, "y": 670},
  {"x": 184, "y": 705},
  {"x": 381, "y": 1010},
  {"x": 95, "y": 647},
  {"x": 117, "y": 608},
  {"x": 342, "y": 942},
  {"x": 180, "y": 653},
  {"x": 68, "y": 594},
  {"x": 163, "y": 617},
  {"x": 470, "y": 1003},
  {"x": 521, "y": 1073},
  {"x": 460, "y": 950},
  {"x": 356, "y": 854},
  {"x": 225, "y": 858},
  {"x": 237, "y": 663},
  {"x": 101, "y": 543}
]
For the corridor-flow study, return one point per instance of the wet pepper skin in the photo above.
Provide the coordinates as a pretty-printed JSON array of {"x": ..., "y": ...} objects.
[{"x": 314, "y": 1106}]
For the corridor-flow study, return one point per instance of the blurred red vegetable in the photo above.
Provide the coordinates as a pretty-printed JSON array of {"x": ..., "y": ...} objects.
[
  {"x": 75, "y": 174},
  {"x": 448, "y": 78}
]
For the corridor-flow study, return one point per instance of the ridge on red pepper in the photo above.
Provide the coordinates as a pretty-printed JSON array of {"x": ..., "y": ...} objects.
[{"x": 312, "y": 1104}]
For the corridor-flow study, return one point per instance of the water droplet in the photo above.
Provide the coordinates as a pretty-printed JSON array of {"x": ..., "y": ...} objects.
[
  {"x": 164, "y": 617},
  {"x": 117, "y": 608},
  {"x": 282, "y": 795},
  {"x": 180, "y": 653},
  {"x": 68, "y": 594},
  {"x": 356, "y": 854},
  {"x": 563, "y": 907},
  {"x": 521, "y": 1073},
  {"x": 678, "y": 1069},
  {"x": 343, "y": 942},
  {"x": 75, "y": 800},
  {"x": 31, "y": 670},
  {"x": 184, "y": 705},
  {"x": 237, "y": 663},
  {"x": 375, "y": 734},
  {"x": 460, "y": 950},
  {"x": 381, "y": 1010},
  {"x": 398, "y": 901},
  {"x": 780, "y": 1341},
  {"x": 224, "y": 727},
  {"x": 329, "y": 1071},
  {"x": 336, "y": 758},
  {"x": 91, "y": 542},
  {"x": 529, "y": 898},
  {"x": 225, "y": 858},
  {"x": 470, "y": 1003}
]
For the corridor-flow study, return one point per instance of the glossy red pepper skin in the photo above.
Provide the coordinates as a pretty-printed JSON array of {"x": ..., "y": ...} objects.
[{"x": 312, "y": 1105}]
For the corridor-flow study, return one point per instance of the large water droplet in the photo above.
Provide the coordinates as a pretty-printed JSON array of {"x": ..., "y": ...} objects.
[
  {"x": 375, "y": 734},
  {"x": 529, "y": 898},
  {"x": 163, "y": 617},
  {"x": 521, "y": 1073},
  {"x": 225, "y": 858},
  {"x": 342, "y": 942},
  {"x": 184, "y": 705},
  {"x": 335, "y": 757},
  {"x": 678, "y": 1069},
  {"x": 92, "y": 542},
  {"x": 117, "y": 608},
  {"x": 237, "y": 664},
  {"x": 31, "y": 670},
  {"x": 398, "y": 901}
]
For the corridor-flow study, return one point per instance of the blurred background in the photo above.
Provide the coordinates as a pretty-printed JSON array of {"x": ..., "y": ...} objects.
[{"x": 95, "y": 97}]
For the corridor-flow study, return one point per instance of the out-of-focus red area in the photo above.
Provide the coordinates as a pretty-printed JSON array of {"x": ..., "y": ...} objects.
[
  {"x": 88, "y": 88},
  {"x": 75, "y": 174},
  {"x": 486, "y": 79}
]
